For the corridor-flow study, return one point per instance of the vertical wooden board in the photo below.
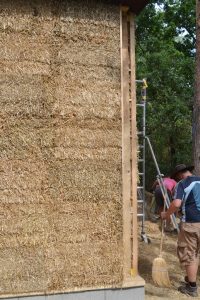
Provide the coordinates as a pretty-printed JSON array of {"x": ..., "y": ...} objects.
[
  {"x": 126, "y": 165},
  {"x": 134, "y": 147}
]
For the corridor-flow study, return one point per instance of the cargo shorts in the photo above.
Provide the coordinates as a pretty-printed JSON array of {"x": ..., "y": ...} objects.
[{"x": 188, "y": 246}]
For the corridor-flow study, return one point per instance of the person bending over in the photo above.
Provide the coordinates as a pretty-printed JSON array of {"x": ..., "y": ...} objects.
[{"x": 169, "y": 184}]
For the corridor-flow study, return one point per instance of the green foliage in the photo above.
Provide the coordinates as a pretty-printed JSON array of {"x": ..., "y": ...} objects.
[{"x": 165, "y": 56}]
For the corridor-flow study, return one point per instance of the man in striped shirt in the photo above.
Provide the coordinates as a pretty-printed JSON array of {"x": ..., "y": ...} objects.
[{"x": 187, "y": 198}]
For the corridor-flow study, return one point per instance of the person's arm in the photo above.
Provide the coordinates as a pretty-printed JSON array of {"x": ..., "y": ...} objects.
[{"x": 174, "y": 207}]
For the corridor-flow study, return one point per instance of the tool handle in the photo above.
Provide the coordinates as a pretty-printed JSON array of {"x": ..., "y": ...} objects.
[
  {"x": 162, "y": 237},
  {"x": 162, "y": 231}
]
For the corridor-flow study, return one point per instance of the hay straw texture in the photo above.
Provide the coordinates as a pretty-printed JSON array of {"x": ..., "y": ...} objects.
[{"x": 60, "y": 146}]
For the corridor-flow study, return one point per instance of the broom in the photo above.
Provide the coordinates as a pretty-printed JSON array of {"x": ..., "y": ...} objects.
[{"x": 159, "y": 270}]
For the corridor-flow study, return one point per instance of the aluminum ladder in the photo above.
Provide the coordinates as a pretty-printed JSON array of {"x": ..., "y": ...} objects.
[
  {"x": 141, "y": 200},
  {"x": 142, "y": 139}
]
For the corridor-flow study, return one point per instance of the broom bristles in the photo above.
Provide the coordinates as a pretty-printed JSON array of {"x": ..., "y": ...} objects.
[{"x": 160, "y": 272}]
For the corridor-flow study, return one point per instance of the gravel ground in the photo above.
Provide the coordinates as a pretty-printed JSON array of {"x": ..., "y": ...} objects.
[{"x": 148, "y": 252}]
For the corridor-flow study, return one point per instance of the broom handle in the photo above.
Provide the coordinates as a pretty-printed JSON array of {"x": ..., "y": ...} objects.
[{"x": 162, "y": 232}]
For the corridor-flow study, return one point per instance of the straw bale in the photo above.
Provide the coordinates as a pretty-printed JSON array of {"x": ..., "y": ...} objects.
[
  {"x": 44, "y": 139},
  {"x": 24, "y": 68},
  {"x": 24, "y": 48},
  {"x": 60, "y": 146},
  {"x": 24, "y": 98},
  {"x": 95, "y": 56},
  {"x": 40, "y": 17}
]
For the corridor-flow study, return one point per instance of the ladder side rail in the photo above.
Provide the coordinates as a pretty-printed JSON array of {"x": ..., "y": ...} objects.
[
  {"x": 153, "y": 155},
  {"x": 157, "y": 168},
  {"x": 159, "y": 176},
  {"x": 144, "y": 164}
]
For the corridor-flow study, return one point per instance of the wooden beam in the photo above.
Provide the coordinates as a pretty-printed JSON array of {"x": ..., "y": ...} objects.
[
  {"x": 134, "y": 149},
  {"x": 134, "y": 5},
  {"x": 124, "y": 9},
  {"x": 126, "y": 145}
]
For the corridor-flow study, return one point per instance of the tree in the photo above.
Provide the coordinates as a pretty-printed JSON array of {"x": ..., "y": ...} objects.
[
  {"x": 166, "y": 56},
  {"x": 196, "y": 113}
]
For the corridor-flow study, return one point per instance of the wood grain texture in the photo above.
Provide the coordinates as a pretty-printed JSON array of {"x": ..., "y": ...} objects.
[{"x": 126, "y": 165}]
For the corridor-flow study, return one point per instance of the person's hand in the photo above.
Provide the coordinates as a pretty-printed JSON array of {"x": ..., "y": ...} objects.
[{"x": 164, "y": 215}]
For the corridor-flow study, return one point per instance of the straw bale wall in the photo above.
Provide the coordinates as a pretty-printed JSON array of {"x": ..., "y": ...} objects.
[{"x": 60, "y": 146}]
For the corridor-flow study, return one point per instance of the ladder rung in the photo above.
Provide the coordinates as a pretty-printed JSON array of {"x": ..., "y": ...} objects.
[
  {"x": 140, "y": 133},
  {"x": 140, "y": 215},
  {"x": 140, "y": 105},
  {"x": 141, "y": 160},
  {"x": 140, "y": 146},
  {"x": 140, "y": 187},
  {"x": 141, "y": 174},
  {"x": 140, "y": 201}
]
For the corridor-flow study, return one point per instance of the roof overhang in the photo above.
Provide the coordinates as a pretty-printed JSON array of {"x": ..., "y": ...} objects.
[{"x": 135, "y": 5}]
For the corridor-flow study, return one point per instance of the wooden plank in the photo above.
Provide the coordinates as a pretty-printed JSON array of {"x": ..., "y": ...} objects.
[
  {"x": 126, "y": 165},
  {"x": 134, "y": 149}
]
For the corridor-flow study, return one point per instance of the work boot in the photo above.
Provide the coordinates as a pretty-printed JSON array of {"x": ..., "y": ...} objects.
[{"x": 187, "y": 289}]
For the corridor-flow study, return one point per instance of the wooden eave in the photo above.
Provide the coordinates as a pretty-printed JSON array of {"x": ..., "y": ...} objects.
[{"x": 135, "y": 5}]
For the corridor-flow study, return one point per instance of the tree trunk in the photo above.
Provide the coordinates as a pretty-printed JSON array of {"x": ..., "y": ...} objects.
[{"x": 196, "y": 112}]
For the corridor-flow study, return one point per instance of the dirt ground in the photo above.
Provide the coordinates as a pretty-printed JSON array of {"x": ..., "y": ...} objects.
[{"x": 147, "y": 253}]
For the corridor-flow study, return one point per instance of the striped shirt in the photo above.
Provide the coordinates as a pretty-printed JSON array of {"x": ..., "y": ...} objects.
[{"x": 188, "y": 191}]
